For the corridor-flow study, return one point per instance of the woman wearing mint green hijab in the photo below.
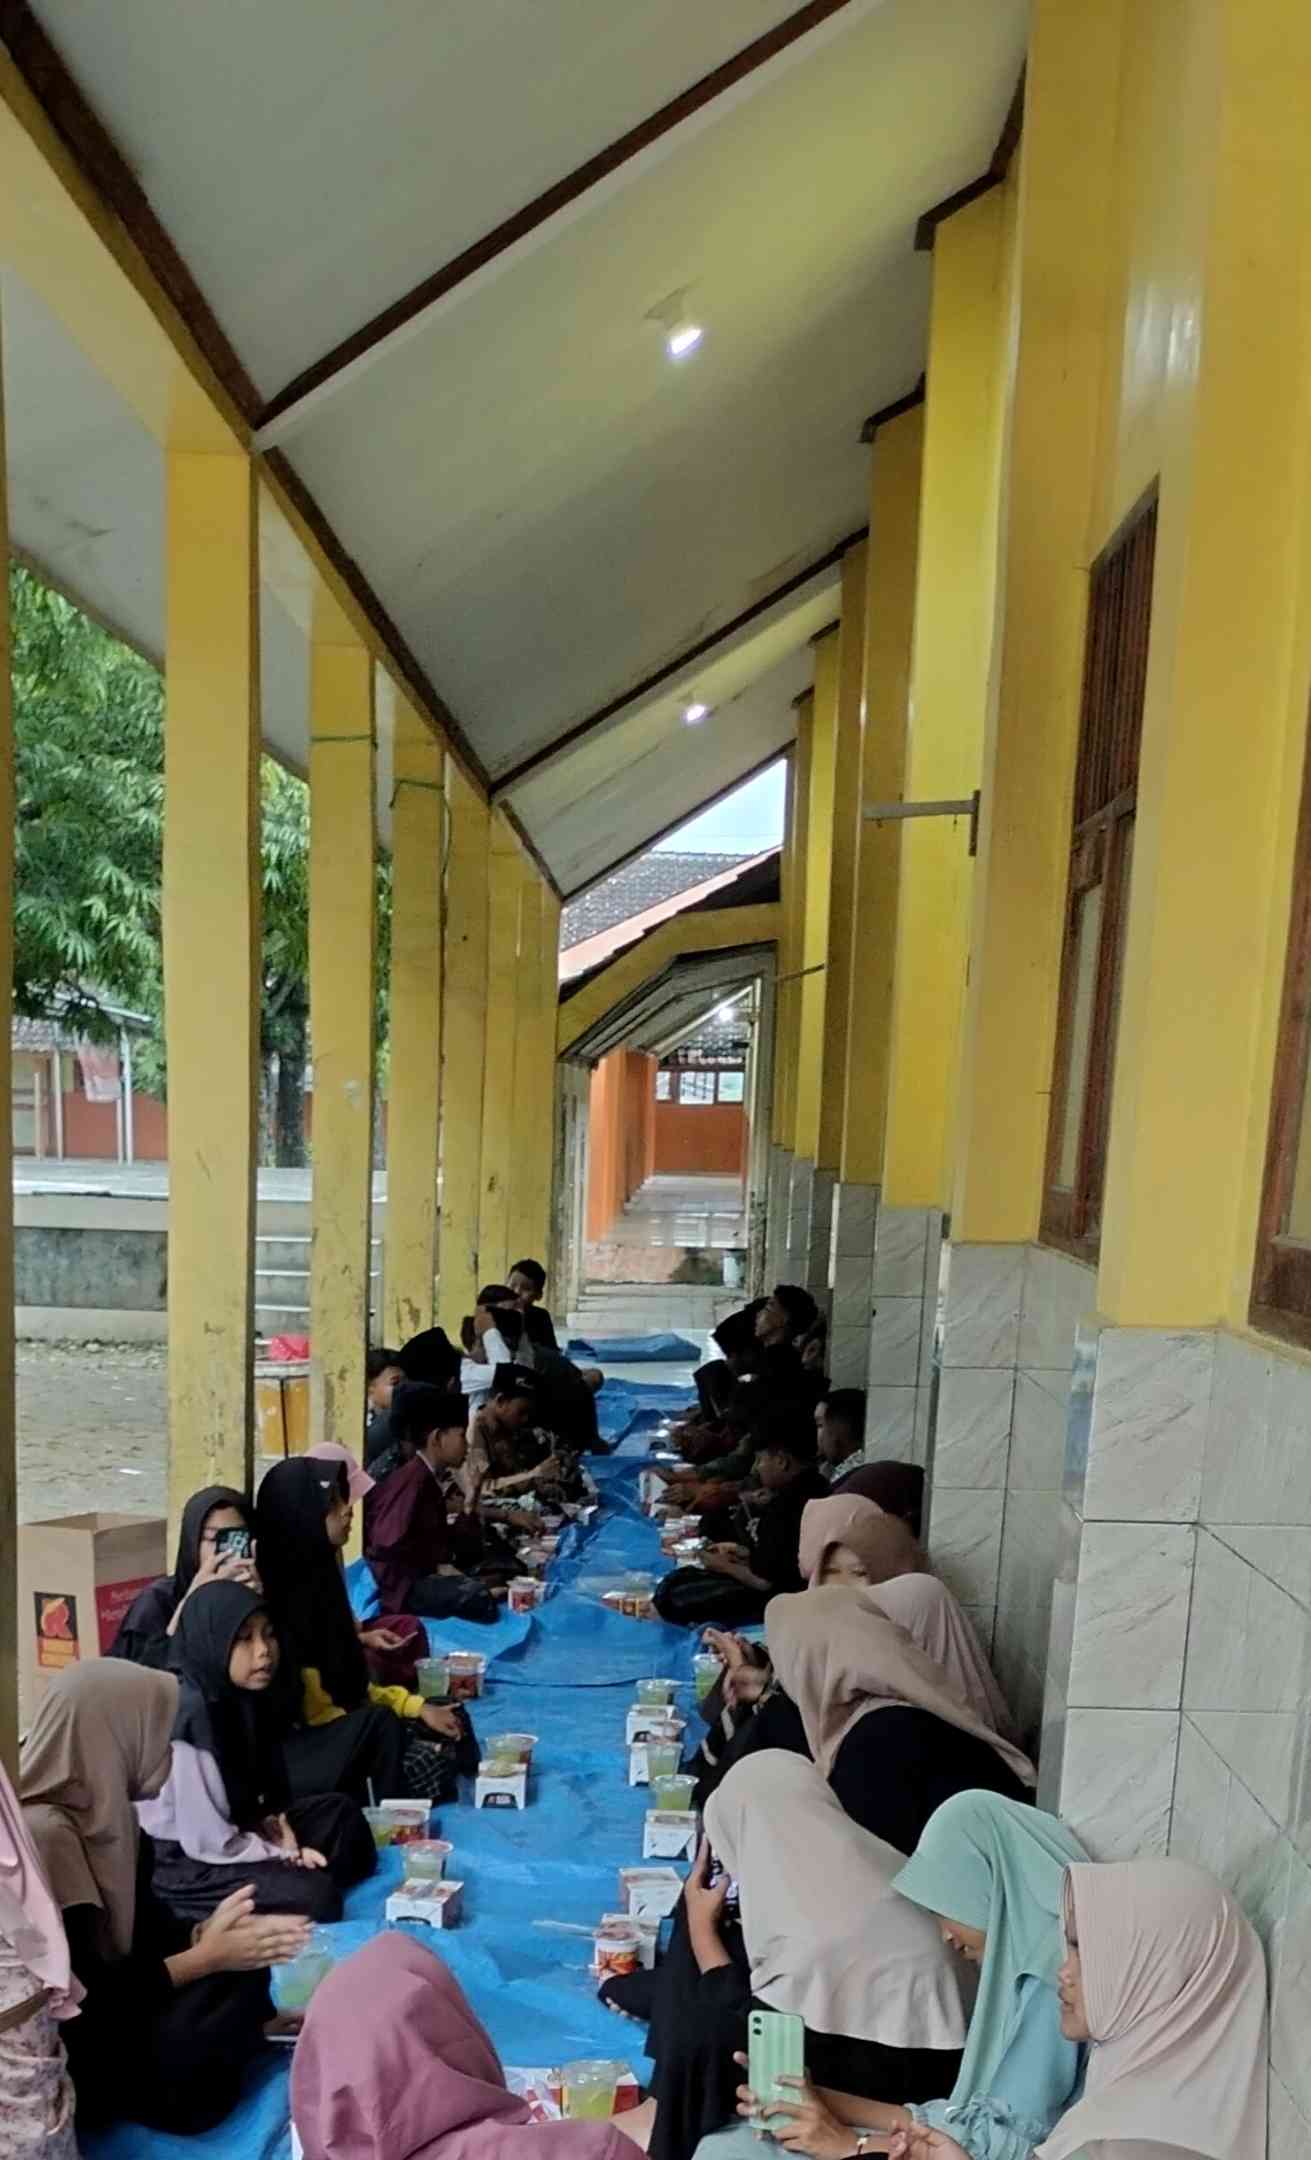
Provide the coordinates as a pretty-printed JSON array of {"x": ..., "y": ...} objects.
[{"x": 993, "y": 1873}]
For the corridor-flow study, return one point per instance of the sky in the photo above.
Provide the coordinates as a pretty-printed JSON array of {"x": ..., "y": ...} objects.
[{"x": 749, "y": 820}]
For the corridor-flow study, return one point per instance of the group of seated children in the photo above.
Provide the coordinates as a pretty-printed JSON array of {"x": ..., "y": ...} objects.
[{"x": 966, "y": 1983}]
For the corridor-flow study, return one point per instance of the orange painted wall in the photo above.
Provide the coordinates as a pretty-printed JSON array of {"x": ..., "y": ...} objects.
[
  {"x": 620, "y": 1135},
  {"x": 697, "y": 1139}
]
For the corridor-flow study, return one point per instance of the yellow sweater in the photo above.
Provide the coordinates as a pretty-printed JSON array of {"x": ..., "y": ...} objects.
[{"x": 318, "y": 1707}]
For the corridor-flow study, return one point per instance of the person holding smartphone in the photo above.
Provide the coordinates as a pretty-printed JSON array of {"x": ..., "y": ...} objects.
[{"x": 216, "y": 1543}]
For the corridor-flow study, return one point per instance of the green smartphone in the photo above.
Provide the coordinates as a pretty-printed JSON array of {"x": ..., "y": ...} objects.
[{"x": 776, "y": 2048}]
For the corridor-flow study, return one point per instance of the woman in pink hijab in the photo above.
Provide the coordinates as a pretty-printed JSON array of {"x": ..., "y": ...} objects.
[
  {"x": 418, "y": 2077},
  {"x": 1165, "y": 1976},
  {"x": 37, "y": 1991}
]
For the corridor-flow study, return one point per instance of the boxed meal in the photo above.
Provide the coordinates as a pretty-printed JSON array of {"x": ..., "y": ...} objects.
[
  {"x": 499, "y": 1785},
  {"x": 649, "y": 1893},
  {"x": 436, "y": 1904},
  {"x": 669, "y": 1834}
]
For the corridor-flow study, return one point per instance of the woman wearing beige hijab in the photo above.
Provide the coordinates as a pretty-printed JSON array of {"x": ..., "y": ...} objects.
[
  {"x": 1165, "y": 1977},
  {"x": 882, "y": 1721},
  {"x": 167, "y": 2024},
  {"x": 935, "y": 1621},
  {"x": 824, "y": 1936}
]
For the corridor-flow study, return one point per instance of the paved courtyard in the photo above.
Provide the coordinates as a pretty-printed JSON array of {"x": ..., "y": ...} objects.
[{"x": 91, "y": 1429}]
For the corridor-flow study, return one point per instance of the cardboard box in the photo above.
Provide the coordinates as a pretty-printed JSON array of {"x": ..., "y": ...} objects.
[
  {"x": 508, "y": 1791},
  {"x": 644, "y": 1720},
  {"x": 649, "y": 1893},
  {"x": 282, "y": 1409},
  {"x": 77, "y": 1576},
  {"x": 433, "y": 1904},
  {"x": 668, "y": 1834}
]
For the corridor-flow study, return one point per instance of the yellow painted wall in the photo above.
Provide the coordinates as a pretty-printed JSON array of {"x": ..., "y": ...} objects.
[
  {"x": 818, "y": 846},
  {"x": 781, "y": 1118},
  {"x": 1067, "y": 164},
  {"x": 953, "y": 643},
  {"x": 889, "y": 626},
  {"x": 846, "y": 828},
  {"x": 1208, "y": 364}
]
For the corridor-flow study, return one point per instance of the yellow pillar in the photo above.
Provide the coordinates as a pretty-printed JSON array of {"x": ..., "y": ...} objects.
[
  {"x": 1066, "y": 180},
  {"x": 1224, "y": 721},
  {"x": 342, "y": 947},
  {"x": 889, "y": 626},
  {"x": 541, "y": 1243},
  {"x": 950, "y": 674},
  {"x": 499, "y": 1168},
  {"x": 784, "y": 996},
  {"x": 414, "y": 1028},
  {"x": 850, "y": 666},
  {"x": 211, "y": 939},
  {"x": 8, "y": 1434},
  {"x": 532, "y": 1146},
  {"x": 463, "y": 1043},
  {"x": 820, "y": 727}
]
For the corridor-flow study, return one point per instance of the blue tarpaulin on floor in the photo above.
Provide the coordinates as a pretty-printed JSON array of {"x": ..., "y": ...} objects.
[
  {"x": 635, "y": 1350},
  {"x": 566, "y": 1673}
]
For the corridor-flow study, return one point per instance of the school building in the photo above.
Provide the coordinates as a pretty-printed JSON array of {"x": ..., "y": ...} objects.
[{"x": 530, "y": 435}]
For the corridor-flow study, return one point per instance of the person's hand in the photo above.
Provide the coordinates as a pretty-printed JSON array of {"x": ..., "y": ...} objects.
[
  {"x": 729, "y": 1649},
  {"x": 279, "y": 1832},
  {"x": 236, "y": 1938},
  {"x": 921, "y": 2143},
  {"x": 745, "y": 1684},
  {"x": 219, "y": 1567},
  {"x": 380, "y": 1638},
  {"x": 441, "y": 1718},
  {"x": 703, "y": 1899},
  {"x": 803, "y": 2125},
  {"x": 306, "y": 1857},
  {"x": 722, "y": 1560}
]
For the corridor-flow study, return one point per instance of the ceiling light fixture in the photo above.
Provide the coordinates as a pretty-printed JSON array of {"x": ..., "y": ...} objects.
[
  {"x": 694, "y": 714},
  {"x": 682, "y": 333},
  {"x": 683, "y": 340}
]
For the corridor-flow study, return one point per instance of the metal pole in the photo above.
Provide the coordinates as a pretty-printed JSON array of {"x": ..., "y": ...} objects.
[
  {"x": 57, "y": 1100},
  {"x": 129, "y": 1110}
]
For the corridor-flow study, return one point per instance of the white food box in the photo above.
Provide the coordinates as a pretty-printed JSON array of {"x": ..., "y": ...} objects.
[
  {"x": 511, "y": 1790},
  {"x": 436, "y": 1904},
  {"x": 669, "y": 1835},
  {"x": 650, "y": 1893},
  {"x": 644, "y": 1716}
]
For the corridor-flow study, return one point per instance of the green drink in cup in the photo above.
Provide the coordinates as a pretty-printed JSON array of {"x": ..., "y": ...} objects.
[
  {"x": 589, "y": 2090},
  {"x": 706, "y": 1669},
  {"x": 382, "y": 1825},
  {"x": 662, "y": 1759},
  {"x": 434, "y": 1679}
]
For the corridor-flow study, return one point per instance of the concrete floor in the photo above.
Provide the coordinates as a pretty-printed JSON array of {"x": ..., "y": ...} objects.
[{"x": 694, "y": 1212}]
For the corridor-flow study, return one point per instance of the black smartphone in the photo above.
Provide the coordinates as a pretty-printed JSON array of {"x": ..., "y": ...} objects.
[{"x": 232, "y": 1544}]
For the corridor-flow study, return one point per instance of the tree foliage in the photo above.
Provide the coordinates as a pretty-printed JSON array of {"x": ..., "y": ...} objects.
[{"x": 89, "y": 754}]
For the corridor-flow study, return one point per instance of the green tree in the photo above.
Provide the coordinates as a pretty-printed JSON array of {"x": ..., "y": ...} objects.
[{"x": 89, "y": 752}]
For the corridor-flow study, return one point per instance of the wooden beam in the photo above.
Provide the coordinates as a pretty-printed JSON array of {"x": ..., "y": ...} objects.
[
  {"x": 893, "y": 411},
  {"x": 549, "y": 204},
  {"x": 999, "y": 164},
  {"x": 549, "y": 752}
]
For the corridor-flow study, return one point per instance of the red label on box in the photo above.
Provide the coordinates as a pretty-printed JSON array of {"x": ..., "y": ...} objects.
[
  {"x": 56, "y": 1630},
  {"x": 112, "y": 1601}
]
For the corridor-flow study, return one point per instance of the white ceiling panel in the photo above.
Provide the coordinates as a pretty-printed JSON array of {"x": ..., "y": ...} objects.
[{"x": 315, "y": 159}]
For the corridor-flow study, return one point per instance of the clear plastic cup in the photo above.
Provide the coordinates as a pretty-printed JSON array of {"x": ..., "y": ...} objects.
[
  {"x": 382, "y": 1825},
  {"x": 655, "y": 1694},
  {"x": 674, "y": 1793},
  {"x": 293, "y": 1984},
  {"x": 706, "y": 1670},
  {"x": 662, "y": 1759},
  {"x": 589, "y": 2090},
  {"x": 426, "y": 1859},
  {"x": 434, "y": 1680}
]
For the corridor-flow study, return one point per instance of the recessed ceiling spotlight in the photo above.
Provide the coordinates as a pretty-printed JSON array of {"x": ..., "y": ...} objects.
[
  {"x": 682, "y": 333},
  {"x": 683, "y": 340},
  {"x": 694, "y": 714}
]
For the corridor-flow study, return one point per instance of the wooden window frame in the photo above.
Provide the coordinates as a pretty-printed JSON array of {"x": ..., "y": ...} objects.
[
  {"x": 1281, "y": 1272},
  {"x": 1103, "y": 818}
]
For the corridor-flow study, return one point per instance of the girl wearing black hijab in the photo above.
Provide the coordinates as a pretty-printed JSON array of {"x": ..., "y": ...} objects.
[
  {"x": 224, "y": 1817},
  {"x": 348, "y": 1732},
  {"x": 146, "y": 1631}
]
